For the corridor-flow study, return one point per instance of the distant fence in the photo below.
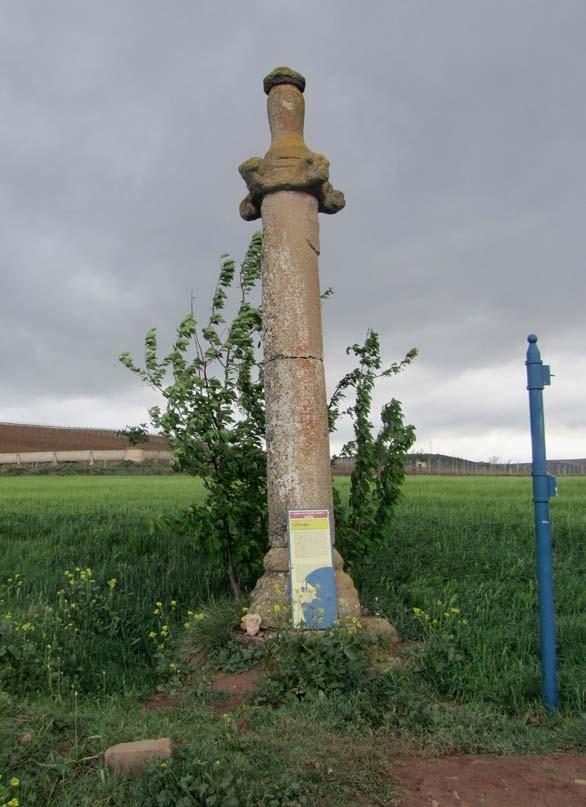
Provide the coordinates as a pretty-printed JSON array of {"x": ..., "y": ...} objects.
[
  {"x": 341, "y": 466},
  {"x": 465, "y": 468},
  {"x": 34, "y": 458},
  {"x": 505, "y": 470},
  {"x": 457, "y": 467}
]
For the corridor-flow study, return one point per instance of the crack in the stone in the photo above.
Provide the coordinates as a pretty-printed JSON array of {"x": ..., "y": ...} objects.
[
  {"x": 286, "y": 356},
  {"x": 313, "y": 247}
]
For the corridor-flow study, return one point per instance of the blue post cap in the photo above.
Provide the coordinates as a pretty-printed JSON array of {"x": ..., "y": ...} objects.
[
  {"x": 533, "y": 354},
  {"x": 538, "y": 374}
]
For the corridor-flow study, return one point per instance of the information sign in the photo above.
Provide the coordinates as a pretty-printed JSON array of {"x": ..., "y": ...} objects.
[{"x": 313, "y": 581}]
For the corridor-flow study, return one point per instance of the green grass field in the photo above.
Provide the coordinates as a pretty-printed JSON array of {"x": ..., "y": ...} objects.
[{"x": 461, "y": 554}]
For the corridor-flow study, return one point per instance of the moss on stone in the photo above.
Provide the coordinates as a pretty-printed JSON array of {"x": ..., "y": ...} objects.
[{"x": 283, "y": 75}]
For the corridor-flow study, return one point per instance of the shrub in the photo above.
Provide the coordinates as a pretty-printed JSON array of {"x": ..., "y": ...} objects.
[
  {"x": 212, "y": 383},
  {"x": 379, "y": 461}
]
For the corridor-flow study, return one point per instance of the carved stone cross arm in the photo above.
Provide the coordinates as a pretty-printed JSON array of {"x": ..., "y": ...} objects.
[{"x": 288, "y": 165}]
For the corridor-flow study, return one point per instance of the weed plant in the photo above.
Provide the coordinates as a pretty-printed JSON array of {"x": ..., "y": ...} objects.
[
  {"x": 94, "y": 640},
  {"x": 224, "y": 779},
  {"x": 335, "y": 661}
]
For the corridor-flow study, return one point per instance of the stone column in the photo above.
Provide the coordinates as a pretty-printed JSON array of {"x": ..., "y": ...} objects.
[{"x": 287, "y": 188}]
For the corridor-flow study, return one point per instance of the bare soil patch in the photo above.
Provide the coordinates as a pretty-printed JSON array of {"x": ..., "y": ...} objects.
[
  {"x": 469, "y": 781},
  {"x": 239, "y": 687}
]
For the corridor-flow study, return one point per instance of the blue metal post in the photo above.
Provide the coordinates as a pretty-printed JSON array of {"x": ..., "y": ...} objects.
[{"x": 544, "y": 486}]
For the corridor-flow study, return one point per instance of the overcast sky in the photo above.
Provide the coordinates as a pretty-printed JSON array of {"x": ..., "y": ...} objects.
[{"x": 456, "y": 129}]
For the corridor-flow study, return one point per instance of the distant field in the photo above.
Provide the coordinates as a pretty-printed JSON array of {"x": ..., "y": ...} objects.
[
  {"x": 48, "y": 524},
  {"x": 466, "y": 541},
  {"x": 463, "y": 541}
]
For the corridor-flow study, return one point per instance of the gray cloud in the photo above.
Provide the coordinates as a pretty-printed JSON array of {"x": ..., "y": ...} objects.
[{"x": 456, "y": 131}]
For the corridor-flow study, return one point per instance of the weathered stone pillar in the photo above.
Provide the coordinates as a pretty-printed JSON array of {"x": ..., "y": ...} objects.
[{"x": 288, "y": 188}]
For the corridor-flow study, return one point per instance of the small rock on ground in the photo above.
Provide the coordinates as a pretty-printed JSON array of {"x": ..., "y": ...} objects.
[{"x": 130, "y": 759}]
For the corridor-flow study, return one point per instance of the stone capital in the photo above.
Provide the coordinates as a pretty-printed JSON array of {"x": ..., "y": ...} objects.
[{"x": 288, "y": 164}]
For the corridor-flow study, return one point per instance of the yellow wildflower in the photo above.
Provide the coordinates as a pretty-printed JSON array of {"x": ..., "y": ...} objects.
[
  {"x": 112, "y": 584},
  {"x": 14, "y": 782}
]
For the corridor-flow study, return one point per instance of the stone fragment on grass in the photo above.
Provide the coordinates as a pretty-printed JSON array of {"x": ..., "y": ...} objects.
[
  {"x": 130, "y": 759},
  {"x": 251, "y": 624}
]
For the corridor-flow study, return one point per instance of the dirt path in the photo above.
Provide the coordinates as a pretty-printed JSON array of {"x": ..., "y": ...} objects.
[{"x": 555, "y": 781}]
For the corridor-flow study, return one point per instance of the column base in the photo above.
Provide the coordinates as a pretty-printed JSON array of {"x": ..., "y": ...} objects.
[{"x": 271, "y": 598}]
